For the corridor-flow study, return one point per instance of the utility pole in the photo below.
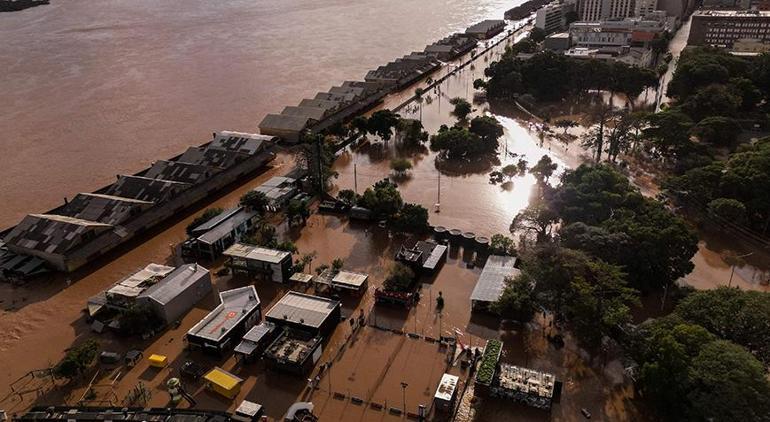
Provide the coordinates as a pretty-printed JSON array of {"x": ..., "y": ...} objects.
[
  {"x": 403, "y": 389},
  {"x": 318, "y": 165},
  {"x": 734, "y": 263},
  {"x": 355, "y": 178}
]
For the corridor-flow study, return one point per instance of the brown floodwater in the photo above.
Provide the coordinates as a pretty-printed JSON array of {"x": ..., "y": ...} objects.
[{"x": 94, "y": 88}]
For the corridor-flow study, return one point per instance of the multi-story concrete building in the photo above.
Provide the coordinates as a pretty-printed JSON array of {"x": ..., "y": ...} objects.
[
  {"x": 596, "y": 10},
  {"x": 553, "y": 17},
  {"x": 627, "y": 32},
  {"x": 723, "y": 28}
]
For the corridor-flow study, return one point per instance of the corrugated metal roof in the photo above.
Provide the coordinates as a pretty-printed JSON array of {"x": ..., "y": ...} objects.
[
  {"x": 303, "y": 309},
  {"x": 175, "y": 283},
  {"x": 256, "y": 253},
  {"x": 492, "y": 279},
  {"x": 227, "y": 226},
  {"x": 348, "y": 279}
]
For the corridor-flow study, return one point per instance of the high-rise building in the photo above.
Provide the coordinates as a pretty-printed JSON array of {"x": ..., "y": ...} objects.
[
  {"x": 596, "y": 10},
  {"x": 553, "y": 17}
]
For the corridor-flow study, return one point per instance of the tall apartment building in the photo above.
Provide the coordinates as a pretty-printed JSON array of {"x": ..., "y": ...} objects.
[
  {"x": 596, "y": 10},
  {"x": 723, "y": 28},
  {"x": 553, "y": 17}
]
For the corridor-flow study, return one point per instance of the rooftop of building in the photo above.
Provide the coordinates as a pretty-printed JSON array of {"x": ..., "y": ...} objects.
[
  {"x": 349, "y": 279},
  {"x": 315, "y": 113},
  {"x": 138, "y": 282},
  {"x": 99, "y": 414},
  {"x": 528, "y": 381},
  {"x": 179, "y": 171},
  {"x": 54, "y": 234},
  {"x": 292, "y": 346},
  {"x": 484, "y": 26},
  {"x": 236, "y": 304},
  {"x": 303, "y": 309},
  {"x": 212, "y": 157},
  {"x": 491, "y": 282},
  {"x": 447, "y": 387},
  {"x": 733, "y": 13},
  {"x": 224, "y": 224},
  {"x": 244, "y": 143},
  {"x": 256, "y": 253},
  {"x": 175, "y": 283},
  {"x": 108, "y": 209},
  {"x": 284, "y": 122},
  {"x": 324, "y": 104},
  {"x": 145, "y": 188},
  {"x": 254, "y": 336}
]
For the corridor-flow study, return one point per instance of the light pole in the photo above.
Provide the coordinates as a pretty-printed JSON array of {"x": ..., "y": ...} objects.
[
  {"x": 403, "y": 390},
  {"x": 735, "y": 260}
]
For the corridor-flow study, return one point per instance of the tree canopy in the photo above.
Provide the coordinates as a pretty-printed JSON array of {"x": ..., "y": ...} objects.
[
  {"x": 687, "y": 373},
  {"x": 382, "y": 122},
  {"x": 550, "y": 76},
  {"x": 599, "y": 212}
]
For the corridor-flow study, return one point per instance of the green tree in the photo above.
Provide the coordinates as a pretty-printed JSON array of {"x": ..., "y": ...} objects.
[
  {"x": 543, "y": 169},
  {"x": 718, "y": 130},
  {"x": 669, "y": 133},
  {"x": 337, "y": 264},
  {"x": 310, "y": 161},
  {"x": 347, "y": 196},
  {"x": 458, "y": 143},
  {"x": 538, "y": 218},
  {"x": 361, "y": 124},
  {"x": 254, "y": 200},
  {"x": 489, "y": 131},
  {"x": 400, "y": 278},
  {"x": 728, "y": 209},
  {"x": 462, "y": 108},
  {"x": 412, "y": 131},
  {"x": 297, "y": 210},
  {"x": 400, "y": 165},
  {"x": 660, "y": 245},
  {"x": 138, "y": 319},
  {"x": 510, "y": 171},
  {"x": 713, "y": 100},
  {"x": 686, "y": 373},
  {"x": 382, "y": 122},
  {"x": 740, "y": 316},
  {"x": 589, "y": 293},
  {"x": 502, "y": 245},
  {"x": 517, "y": 301},
  {"x": 77, "y": 360},
  {"x": 411, "y": 218},
  {"x": 383, "y": 199},
  {"x": 203, "y": 218}
]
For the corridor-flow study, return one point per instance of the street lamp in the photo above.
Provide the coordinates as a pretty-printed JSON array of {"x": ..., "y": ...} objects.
[
  {"x": 735, "y": 260},
  {"x": 403, "y": 389}
]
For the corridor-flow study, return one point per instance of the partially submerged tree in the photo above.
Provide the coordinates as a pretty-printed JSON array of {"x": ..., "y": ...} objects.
[
  {"x": 462, "y": 108},
  {"x": 400, "y": 165},
  {"x": 400, "y": 278}
]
